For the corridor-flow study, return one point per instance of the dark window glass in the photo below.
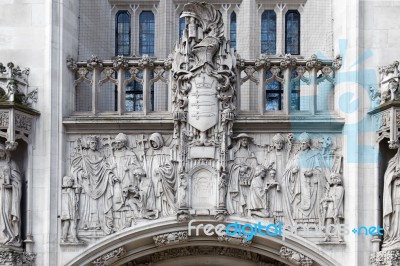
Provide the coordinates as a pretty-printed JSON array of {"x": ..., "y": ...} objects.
[
  {"x": 268, "y": 32},
  {"x": 181, "y": 26},
  {"x": 123, "y": 33},
  {"x": 273, "y": 93},
  {"x": 295, "y": 91},
  {"x": 292, "y": 32},
  {"x": 233, "y": 30},
  {"x": 146, "y": 33},
  {"x": 134, "y": 94}
]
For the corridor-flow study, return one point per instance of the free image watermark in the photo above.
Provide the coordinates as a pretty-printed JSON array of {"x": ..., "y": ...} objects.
[{"x": 249, "y": 231}]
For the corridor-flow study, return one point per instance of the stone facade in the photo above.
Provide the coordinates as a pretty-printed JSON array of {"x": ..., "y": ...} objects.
[{"x": 104, "y": 186}]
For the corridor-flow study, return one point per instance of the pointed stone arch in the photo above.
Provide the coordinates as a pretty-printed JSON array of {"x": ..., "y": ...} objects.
[{"x": 161, "y": 242}]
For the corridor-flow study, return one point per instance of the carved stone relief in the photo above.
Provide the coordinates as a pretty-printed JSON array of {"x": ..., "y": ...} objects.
[
  {"x": 170, "y": 238},
  {"x": 109, "y": 257},
  {"x": 391, "y": 202},
  {"x": 11, "y": 190},
  {"x": 111, "y": 185},
  {"x": 389, "y": 82},
  {"x": 202, "y": 167},
  {"x": 295, "y": 257}
]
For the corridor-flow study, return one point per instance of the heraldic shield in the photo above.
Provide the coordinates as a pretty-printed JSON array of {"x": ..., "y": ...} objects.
[{"x": 203, "y": 102}]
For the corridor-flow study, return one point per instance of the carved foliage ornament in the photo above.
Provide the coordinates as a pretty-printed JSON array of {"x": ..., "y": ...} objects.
[
  {"x": 14, "y": 85},
  {"x": 170, "y": 238},
  {"x": 114, "y": 254},
  {"x": 295, "y": 257}
]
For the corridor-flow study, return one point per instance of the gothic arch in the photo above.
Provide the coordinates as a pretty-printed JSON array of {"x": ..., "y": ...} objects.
[{"x": 165, "y": 241}]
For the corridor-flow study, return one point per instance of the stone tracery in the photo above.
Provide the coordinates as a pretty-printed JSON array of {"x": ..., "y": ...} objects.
[{"x": 203, "y": 166}]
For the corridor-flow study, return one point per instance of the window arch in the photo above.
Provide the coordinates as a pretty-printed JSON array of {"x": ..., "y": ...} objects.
[
  {"x": 233, "y": 30},
  {"x": 268, "y": 32},
  {"x": 146, "y": 33},
  {"x": 292, "y": 32},
  {"x": 123, "y": 33},
  {"x": 181, "y": 26}
]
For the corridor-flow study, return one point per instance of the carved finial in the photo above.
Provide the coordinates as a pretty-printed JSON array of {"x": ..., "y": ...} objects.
[
  {"x": 71, "y": 63},
  {"x": 337, "y": 62},
  {"x": 94, "y": 62},
  {"x": 263, "y": 62},
  {"x": 120, "y": 62},
  {"x": 168, "y": 62},
  {"x": 313, "y": 62},
  {"x": 288, "y": 61},
  {"x": 146, "y": 61}
]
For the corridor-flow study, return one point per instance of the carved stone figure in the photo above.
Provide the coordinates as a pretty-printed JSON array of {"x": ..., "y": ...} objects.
[
  {"x": 332, "y": 203},
  {"x": 147, "y": 196},
  {"x": 274, "y": 199},
  {"x": 69, "y": 210},
  {"x": 389, "y": 82},
  {"x": 94, "y": 175},
  {"x": 391, "y": 204},
  {"x": 257, "y": 197},
  {"x": 242, "y": 168},
  {"x": 276, "y": 159},
  {"x": 203, "y": 103},
  {"x": 10, "y": 200},
  {"x": 159, "y": 167},
  {"x": 305, "y": 180},
  {"x": 123, "y": 162}
]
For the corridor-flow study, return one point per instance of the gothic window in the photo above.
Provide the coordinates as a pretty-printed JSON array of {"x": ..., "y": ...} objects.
[
  {"x": 134, "y": 94},
  {"x": 268, "y": 32},
  {"x": 295, "y": 92},
  {"x": 292, "y": 32},
  {"x": 273, "y": 93},
  {"x": 233, "y": 30},
  {"x": 181, "y": 26},
  {"x": 146, "y": 33},
  {"x": 123, "y": 33}
]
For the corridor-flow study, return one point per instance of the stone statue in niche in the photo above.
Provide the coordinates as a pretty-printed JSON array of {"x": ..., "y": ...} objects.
[
  {"x": 123, "y": 162},
  {"x": 257, "y": 199},
  {"x": 332, "y": 203},
  {"x": 276, "y": 160},
  {"x": 305, "y": 180},
  {"x": 240, "y": 175},
  {"x": 69, "y": 210},
  {"x": 10, "y": 200},
  {"x": 391, "y": 202},
  {"x": 159, "y": 166},
  {"x": 94, "y": 175}
]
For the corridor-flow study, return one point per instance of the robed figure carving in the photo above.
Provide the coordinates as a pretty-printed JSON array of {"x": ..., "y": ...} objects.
[
  {"x": 94, "y": 175},
  {"x": 160, "y": 169},
  {"x": 305, "y": 182},
  {"x": 391, "y": 204},
  {"x": 10, "y": 200},
  {"x": 276, "y": 161},
  {"x": 123, "y": 162},
  {"x": 242, "y": 168}
]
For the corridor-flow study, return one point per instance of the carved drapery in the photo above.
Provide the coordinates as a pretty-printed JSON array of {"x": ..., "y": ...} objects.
[
  {"x": 16, "y": 123},
  {"x": 202, "y": 167}
]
